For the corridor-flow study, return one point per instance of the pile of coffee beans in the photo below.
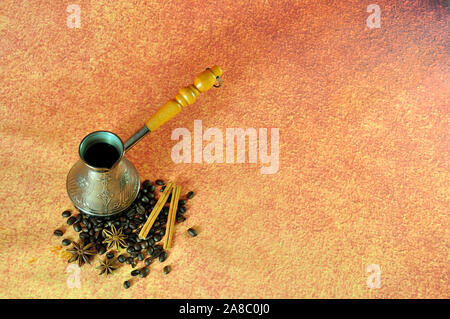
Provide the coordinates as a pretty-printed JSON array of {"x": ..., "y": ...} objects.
[{"x": 90, "y": 230}]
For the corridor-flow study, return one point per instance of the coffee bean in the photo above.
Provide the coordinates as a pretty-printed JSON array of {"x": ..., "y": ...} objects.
[
  {"x": 181, "y": 219},
  {"x": 151, "y": 188},
  {"x": 126, "y": 284},
  {"x": 130, "y": 249},
  {"x": 140, "y": 209},
  {"x": 181, "y": 202},
  {"x": 101, "y": 250},
  {"x": 160, "y": 182},
  {"x": 179, "y": 214},
  {"x": 146, "y": 183},
  {"x": 166, "y": 269},
  {"x": 162, "y": 189},
  {"x": 137, "y": 247},
  {"x": 66, "y": 213},
  {"x": 71, "y": 220},
  {"x": 156, "y": 238},
  {"x": 135, "y": 272},
  {"x": 181, "y": 209},
  {"x": 156, "y": 253},
  {"x": 110, "y": 255},
  {"x": 133, "y": 236},
  {"x": 192, "y": 232},
  {"x": 66, "y": 242},
  {"x": 84, "y": 235},
  {"x": 121, "y": 259},
  {"x": 77, "y": 227},
  {"x": 141, "y": 257},
  {"x": 143, "y": 272},
  {"x": 145, "y": 199},
  {"x": 149, "y": 251},
  {"x": 58, "y": 233},
  {"x": 148, "y": 261},
  {"x": 144, "y": 244},
  {"x": 163, "y": 256},
  {"x": 190, "y": 195},
  {"x": 129, "y": 260},
  {"x": 133, "y": 225}
]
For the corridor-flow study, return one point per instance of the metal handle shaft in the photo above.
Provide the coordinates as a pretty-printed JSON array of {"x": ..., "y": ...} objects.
[{"x": 136, "y": 137}]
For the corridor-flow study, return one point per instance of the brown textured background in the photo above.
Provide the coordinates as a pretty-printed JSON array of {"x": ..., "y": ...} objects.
[{"x": 364, "y": 147}]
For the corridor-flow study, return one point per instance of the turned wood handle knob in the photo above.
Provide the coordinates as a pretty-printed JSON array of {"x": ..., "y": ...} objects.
[{"x": 186, "y": 96}]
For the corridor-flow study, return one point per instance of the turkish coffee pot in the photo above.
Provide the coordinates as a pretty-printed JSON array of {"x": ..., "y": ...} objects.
[{"x": 103, "y": 182}]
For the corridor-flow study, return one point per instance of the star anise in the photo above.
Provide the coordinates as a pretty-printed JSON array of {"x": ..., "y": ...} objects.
[
  {"x": 114, "y": 238},
  {"x": 106, "y": 267},
  {"x": 80, "y": 253}
]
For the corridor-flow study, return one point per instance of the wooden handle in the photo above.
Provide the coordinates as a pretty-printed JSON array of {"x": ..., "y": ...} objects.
[{"x": 186, "y": 96}]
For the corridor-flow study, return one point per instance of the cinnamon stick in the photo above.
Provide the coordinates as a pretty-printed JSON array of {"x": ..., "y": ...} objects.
[
  {"x": 156, "y": 210},
  {"x": 171, "y": 217}
]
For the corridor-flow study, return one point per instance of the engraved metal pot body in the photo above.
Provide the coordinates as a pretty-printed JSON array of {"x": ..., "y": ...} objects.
[{"x": 103, "y": 191}]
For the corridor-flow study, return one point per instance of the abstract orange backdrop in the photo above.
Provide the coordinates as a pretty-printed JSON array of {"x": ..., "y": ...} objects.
[{"x": 364, "y": 147}]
